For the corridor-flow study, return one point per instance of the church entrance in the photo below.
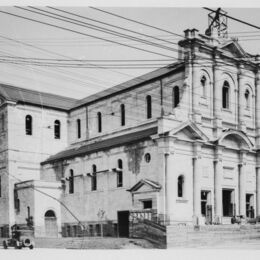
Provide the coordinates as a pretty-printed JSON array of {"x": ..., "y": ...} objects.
[
  {"x": 51, "y": 227},
  {"x": 250, "y": 206},
  {"x": 228, "y": 202},
  {"x": 206, "y": 207}
]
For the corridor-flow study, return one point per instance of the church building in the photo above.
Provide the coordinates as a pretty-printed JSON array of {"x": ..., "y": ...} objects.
[{"x": 179, "y": 144}]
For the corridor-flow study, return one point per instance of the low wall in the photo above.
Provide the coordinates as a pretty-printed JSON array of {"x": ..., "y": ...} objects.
[{"x": 179, "y": 236}]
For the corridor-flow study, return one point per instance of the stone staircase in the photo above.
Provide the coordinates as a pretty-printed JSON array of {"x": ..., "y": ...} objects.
[{"x": 209, "y": 235}]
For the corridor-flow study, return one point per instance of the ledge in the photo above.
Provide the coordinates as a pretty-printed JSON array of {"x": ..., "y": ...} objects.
[{"x": 182, "y": 201}]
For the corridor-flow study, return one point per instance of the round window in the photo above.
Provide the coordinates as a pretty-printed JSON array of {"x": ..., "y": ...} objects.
[{"x": 147, "y": 157}]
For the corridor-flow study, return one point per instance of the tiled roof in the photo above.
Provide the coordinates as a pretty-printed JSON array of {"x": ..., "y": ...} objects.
[
  {"x": 129, "y": 84},
  {"x": 102, "y": 145},
  {"x": 27, "y": 96}
]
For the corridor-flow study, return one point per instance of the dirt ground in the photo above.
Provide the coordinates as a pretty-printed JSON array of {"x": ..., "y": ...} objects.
[{"x": 91, "y": 243}]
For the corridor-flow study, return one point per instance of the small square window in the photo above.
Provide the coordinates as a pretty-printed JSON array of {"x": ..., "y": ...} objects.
[{"x": 147, "y": 204}]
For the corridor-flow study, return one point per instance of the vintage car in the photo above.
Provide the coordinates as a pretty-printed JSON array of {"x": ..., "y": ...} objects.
[{"x": 19, "y": 239}]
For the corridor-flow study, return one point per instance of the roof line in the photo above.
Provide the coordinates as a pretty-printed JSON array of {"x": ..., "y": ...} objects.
[{"x": 171, "y": 68}]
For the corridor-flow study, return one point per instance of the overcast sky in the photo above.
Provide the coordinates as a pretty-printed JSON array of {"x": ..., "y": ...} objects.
[{"x": 27, "y": 39}]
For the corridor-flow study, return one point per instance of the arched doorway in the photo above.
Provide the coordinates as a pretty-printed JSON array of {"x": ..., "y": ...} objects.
[{"x": 51, "y": 227}]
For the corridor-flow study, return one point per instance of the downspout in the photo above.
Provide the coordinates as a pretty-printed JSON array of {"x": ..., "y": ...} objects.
[
  {"x": 166, "y": 155},
  {"x": 87, "y": 125},
  {"x": 161, "y": 95}
]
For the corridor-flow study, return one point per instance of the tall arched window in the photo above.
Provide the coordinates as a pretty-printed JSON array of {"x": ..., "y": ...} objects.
[
  {"x": 122, "y": 109},
  {"x": 94, "y": 177},
  {"x": 28, "y": 125},
  {"x": 71, "y": 182},
  {"x": 175, "y": 96},
  {"x": 203, "y": 82},
  {"x": 247, "y": 99},
  {"x": 180, "y": 186},
  {"x": 120, "y": 173},
  {"x": 225, "y": 95},
  {"x": 148, "y": 106},
  {"x": 28, "y": 212},
  {"x": 3, "y": 122},
  {"x": 57, "y": 129},
  {"x": 79, "y": 127},
  {"x": 99, "y": 122}
]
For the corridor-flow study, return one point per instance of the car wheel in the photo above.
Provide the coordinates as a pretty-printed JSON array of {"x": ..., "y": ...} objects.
[
  {"x": 17, "y": 245},
  {"x": 5, "y": 244}
]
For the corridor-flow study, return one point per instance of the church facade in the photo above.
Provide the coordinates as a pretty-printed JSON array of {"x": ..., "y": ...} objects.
[{"x": 181, "y": 142}]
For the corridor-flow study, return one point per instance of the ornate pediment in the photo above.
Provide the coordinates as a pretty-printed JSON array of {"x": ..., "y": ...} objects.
[
  {"x": 144, "y": 186},
  {"x": 234, "y": 49},
  {"x": 235, "y": 139},
  {"x": 188, "y": 130}
]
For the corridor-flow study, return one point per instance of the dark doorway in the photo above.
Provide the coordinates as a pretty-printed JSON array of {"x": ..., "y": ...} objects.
[
  {"x": 250, "y": 206},
  {"x": 206, "y": 207},
  {"x": 123, "y": 223},
  {"x": 228, "y": 203}
]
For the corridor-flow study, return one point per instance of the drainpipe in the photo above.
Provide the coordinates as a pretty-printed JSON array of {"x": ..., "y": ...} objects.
[
  {"x": 161, "y": 95},
  {"x": 166, "y": 157}
]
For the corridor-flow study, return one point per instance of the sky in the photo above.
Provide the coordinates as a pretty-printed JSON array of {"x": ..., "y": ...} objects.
[{"x": 24, "y": 40}]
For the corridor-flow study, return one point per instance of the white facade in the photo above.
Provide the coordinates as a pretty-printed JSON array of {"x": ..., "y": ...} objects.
[{"x": 191, "y": 154}]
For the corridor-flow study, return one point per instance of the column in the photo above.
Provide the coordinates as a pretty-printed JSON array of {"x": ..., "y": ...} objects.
[
  {"x": 242, "y": 184},
  {"x": 258, "y": 190},
  {"x": 196, "y": 182},
  {"x": 241, "y": 123},
  {"x": 217, "y": 100},
  {"x": 196, "y": 92},
  {"x": 218, "y": 173},
  {"x": 257, "y": 108},
  {"x": 196, "y": 187}
]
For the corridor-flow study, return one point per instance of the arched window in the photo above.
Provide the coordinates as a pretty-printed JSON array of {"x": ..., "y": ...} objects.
[
  {"x": 122, "y": 109},
  {"x": 79, "y": 127},
  {"x": 3, "y": 122},
  {"x": 148, "y": 106},
  {"x": 28, "y": 125},
  {"x": 225, "y": 95},
  {"x": 120, "y": 173},
  {"x": 99, "y": 122},
  {"x": 175, "y": 96},
  {"x": 50, "y": 214},
  {"x": 247, "y": 99},
  {"x": 71, "y": 182},
  {"x": 28, "y": 212},
  {"x": 180, "y": 186},
  {"x": 57, "y": 129},
  {"x": 203, "y": 82},
  {"x": 94, "y": 177}
]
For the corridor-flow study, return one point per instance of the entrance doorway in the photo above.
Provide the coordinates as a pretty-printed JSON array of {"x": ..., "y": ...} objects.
[
  {"x": 123, "y": 223},
  {"x": 51, "y": 227},
  {"x": 206, "y": 207},
  {"x": 250, "y": 206},
  {"x": 228, "y": 203}
]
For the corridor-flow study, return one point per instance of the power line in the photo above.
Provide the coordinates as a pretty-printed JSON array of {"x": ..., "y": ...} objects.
[
  {"x": 94, "y": 27},
  {"x": 81, "y": 33},
  {"x": 233, "y": 18},
  {"x": 50, "y": 196},
  {"x": 134, "y": 21},
  {"x": 146, "y": 35}
]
